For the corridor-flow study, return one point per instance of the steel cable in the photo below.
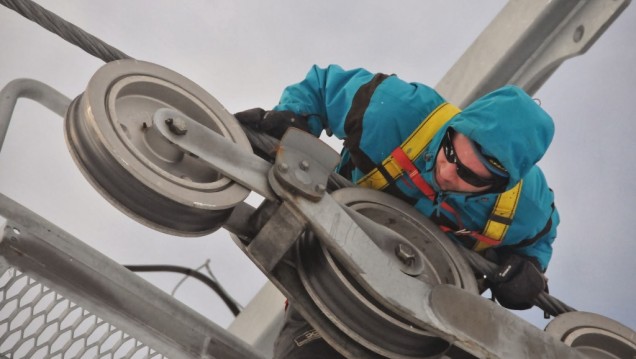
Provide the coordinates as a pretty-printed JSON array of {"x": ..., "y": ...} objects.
[{"x": 65, "y": 29}]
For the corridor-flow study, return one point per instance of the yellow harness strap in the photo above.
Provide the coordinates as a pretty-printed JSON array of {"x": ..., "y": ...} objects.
[
  {"x": 412, "y": 146},
  {"x": 504, "y": 209},
  {"x": 500, "y": 217}
]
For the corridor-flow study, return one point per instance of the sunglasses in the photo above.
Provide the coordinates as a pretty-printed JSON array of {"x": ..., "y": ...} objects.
[{"x": 464, "y": 172}]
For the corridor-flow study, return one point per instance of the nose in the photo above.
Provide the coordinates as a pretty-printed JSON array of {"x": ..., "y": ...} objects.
[
  {"x": 447, "y": 176},
  {"x": 448, "y": 172}
]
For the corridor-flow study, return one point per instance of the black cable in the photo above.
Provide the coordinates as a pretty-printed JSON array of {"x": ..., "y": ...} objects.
[{"x": 192, "y": 273}]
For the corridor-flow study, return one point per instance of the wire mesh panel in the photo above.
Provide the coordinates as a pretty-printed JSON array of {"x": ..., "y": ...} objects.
[{"x": 37, "y": 322}]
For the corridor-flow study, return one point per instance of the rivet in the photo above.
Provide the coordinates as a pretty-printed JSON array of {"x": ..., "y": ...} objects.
[
  {"x": 283, "y": 167},
  {"x": 304, "y": 165}
]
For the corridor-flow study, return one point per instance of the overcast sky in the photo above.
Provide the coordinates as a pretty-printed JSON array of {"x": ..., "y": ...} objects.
[{"x": 245, "y": 52}]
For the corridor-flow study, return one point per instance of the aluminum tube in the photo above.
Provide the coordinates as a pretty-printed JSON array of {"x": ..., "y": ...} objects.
[{"x": 31, "y": 89}]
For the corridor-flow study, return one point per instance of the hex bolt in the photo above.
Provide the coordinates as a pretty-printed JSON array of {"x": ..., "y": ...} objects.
[
  {"x": 283, "y": 167},
  {"x": 304, "y": 165},
  {"x": 405, "y": 254},
  {"x": 177, "y": 126}
]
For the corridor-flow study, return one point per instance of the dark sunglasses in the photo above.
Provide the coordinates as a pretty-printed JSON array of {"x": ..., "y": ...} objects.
[{"x": 464, "y": 172}]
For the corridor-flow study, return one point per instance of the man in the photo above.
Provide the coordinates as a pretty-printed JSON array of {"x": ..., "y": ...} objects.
[{"x": 472, "y": 172}]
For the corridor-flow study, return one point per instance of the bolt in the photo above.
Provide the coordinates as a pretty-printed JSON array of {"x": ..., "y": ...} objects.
[
  {"x": 177, "y": 126},
  {"x": 304, "y": 165},
  {"x": 320, "y": 188},
  {"x": 405, "y": 254},
  {"x": 283, "y": 167}
]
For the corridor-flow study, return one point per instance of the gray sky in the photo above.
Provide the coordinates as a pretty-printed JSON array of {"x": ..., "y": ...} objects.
[{"x": 245, "y": 52}]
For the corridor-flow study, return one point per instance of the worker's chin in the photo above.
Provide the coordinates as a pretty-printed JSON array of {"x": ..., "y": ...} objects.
[{"x": 441, "y": 184}]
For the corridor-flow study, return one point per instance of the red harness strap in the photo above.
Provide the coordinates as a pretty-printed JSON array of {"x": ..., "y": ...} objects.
[{"x": 414, "y": 174}]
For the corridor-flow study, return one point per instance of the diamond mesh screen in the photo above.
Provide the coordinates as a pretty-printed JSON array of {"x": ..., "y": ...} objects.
[{"x": 37, "y": 322}]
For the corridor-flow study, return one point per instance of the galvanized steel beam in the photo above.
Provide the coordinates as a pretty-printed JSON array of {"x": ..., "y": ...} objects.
[{"x": 525, "y": 43}]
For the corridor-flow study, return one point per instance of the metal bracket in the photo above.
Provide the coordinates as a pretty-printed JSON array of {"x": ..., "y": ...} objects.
[
  {"x": 276, "y": 237},
  {"x": 304, "y": 163},
  {"x": 223, "y": 155}
]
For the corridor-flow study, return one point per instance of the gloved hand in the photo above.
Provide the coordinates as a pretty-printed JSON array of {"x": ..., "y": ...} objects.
[
  {"x": 517, "y": 282},
  {"x": 273, "y": 123}
]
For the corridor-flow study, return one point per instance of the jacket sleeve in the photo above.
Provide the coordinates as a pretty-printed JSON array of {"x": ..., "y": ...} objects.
[
  {"x": 325, "y": 95},
  {"x": 541, "y": 249}
]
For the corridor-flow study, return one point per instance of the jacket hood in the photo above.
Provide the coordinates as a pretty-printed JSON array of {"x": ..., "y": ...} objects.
[{"x": 510, "y": 126}]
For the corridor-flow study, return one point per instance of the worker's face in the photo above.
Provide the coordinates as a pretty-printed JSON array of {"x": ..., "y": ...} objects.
[{"x": 446, "y": 174}]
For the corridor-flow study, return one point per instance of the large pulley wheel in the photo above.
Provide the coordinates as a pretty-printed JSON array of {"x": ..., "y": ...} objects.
[
  {"x": 342, "y": 300},
  {"x": 594, "y": 335},
  {"x": 110, "y": 134}
]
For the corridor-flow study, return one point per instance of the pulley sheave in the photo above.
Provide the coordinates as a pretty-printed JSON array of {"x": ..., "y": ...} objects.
[
  {"x": 110, "y": 134},
  {"x": 594, "y": 335},
  {"x": 354, "y": 311}
]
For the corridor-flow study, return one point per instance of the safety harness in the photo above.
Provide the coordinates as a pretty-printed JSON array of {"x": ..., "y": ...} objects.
[{"x": 400, "y": 162}]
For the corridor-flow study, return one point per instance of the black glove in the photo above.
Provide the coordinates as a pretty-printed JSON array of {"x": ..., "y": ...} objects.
[
  {"x": 273, "y": 123},
  {"x": 517, "y": 282}
]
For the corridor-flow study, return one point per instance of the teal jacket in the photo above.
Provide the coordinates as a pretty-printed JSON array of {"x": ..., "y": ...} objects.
[{"x": 375, "y": 113}]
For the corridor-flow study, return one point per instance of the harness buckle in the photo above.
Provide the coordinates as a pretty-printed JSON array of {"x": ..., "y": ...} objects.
[
  {"x": 413, "y": 174},
  {"x": 463, "y": 232}
]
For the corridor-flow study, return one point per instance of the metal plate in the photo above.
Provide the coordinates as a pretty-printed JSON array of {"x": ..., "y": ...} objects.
[
  {"x": 110, "y": 134},
  {"x": 439, "y": 259},
  {"x": 594, "y": 335},
  {"x": 354, "y": 311}
]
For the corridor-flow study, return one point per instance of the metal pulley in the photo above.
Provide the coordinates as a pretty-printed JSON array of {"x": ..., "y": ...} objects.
[
  {"x": 111, "y": 136},
  {"x": 594, "y": 335},
  {"x": 419, "y": 250}
]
